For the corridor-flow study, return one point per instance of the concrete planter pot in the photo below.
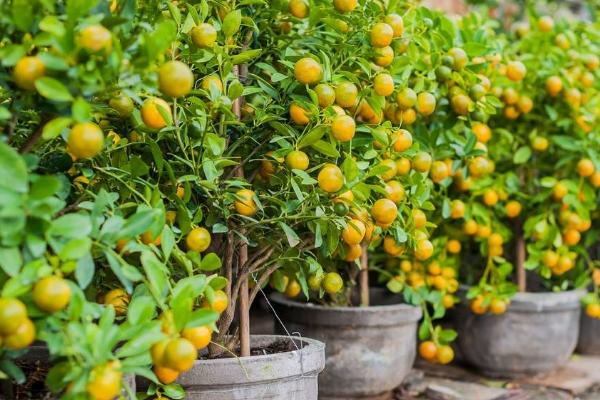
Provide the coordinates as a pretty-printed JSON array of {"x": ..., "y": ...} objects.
[
  {"x": 290, "y": 375},
  {"x": 538, "y": 333},
  {"x": 589, "y": 335},
  {"x": 369, "y": 350}
]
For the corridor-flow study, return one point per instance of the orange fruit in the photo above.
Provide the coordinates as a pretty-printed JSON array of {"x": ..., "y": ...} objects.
[
  {"x": 353, "y": 252},
  {"x": 459, "y": 58},
  {"x": 490, "y": 197},
  {"x": 354, "y": 232},
  {"x": 585, "y": 167},
  {"x": 513, "y": 209},
  {"x": 571, "y": 237},
  {"x": 12, "y": 314},
  {"x": 422, "y": 162},
  {"x": 592, "y": 61},
  {"x": 419, "y": 218},
  {"x": 308, "y": 71},
  {"x": 461, "y": 103},
  {"x": 156, "y": 113},
  {"x": 453, "y": 246},
  {"x": 593, "y": 310},
  {"x": 403, "y": 166},
  {"x": 94, "y": 38},
  {"x": 330, "y": 178},
  {"x": 497, "y": 306},
  {"x": 439, "y": 171},
  {"x": 212, "y": 82},
  {"x": 559, "y": 191},
  {"x": 384, "y": 211},
  {"x": 423, "y": 250},
  {"x": 85, "y": 140},
  {"x": 550, "y": 259},
  {"x": 477, "y": 305},
  {"x": 104, "y": 383},
  {"x": 470, "y": 227},
  {"x": 546, "y": 23},
  {"x": 119, "y": 299},
  {"x": 406, "y": 98},
  {"x": 122, "y": 104},
  {"x": 332, "y": 283},
  {"x": 298, "y": 114},
  {"x": 495, "y": 240},
  {"x": 457, "y": 209},
  {"x": 525, "y": 104},
  {"x": 244, "y": 202},
  {"x": 381, "y": 35},
  {"x": 539, "y": 144},
  {"x": 426, "y": 103},
  {"x": 395, "y": 191},
  {"x": 384, "y": 56},
  {"x": 515, "y": 71},
  {"x": 391, "y": 247},
  {"x": 51, "y": 294},
  {"x": 345, "y": 6},
  {"x": 298, "y": 8},
  {"x": 165, "y": 375},
  {"x": 483, "y": 231},
  {"x": 198, "y": 239},
  {"x": 297, "y": 159},
  {"x": 390, "y": 171},
  {"x": 595, "y": 179},
  {"x": 510, "y": 96},
  {"x": 554, "y": 85},
  {"x": 343, "y": 128},
  {"x": 21, "y": 337},
  {"x": 383, "y": 84},
  {"x": 482, "y": 132},
  {"x": 180, "y": 354},
  {"x": 445, "y": 355},
  {"x": 292, "y": 289},
  {"x": 220, "y": 301},
  {"x": 204, "y": 35},
  {"x": 27, "y": 71},
  {"x": 325, "y": 94},
  {"x": 175, "y": 79},
  {"x": 448, "y": 301},
  {"x": 396, "y": 22},
  {"x": 149, "y": 238},
  {"x": 346, "y": 94},
  {"x": 401, "y": 140},
  {"x": 428, "y": 350}
]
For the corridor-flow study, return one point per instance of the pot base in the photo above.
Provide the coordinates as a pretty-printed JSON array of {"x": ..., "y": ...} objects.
[{"x": 383, "y": 396}]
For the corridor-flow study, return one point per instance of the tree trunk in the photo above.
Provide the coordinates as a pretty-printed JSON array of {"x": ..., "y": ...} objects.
[{"x": 363, "y": 277}]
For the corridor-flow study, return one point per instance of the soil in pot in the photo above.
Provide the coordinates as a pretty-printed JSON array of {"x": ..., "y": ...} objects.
[
  {"x": 279, "y": 369},
  {"x": 536, "y": 334},
  {"x": 370, "y": 350}
]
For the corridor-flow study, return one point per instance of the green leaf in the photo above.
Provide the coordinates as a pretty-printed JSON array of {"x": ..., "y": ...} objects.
[
  {"x": 55, "y": 127},
  {"x": 156, "y": 273},
  {"x": 13, "y": 170},
  {"x": 218, "y": 282},
  {"x": 52, "y": 89},
  {"x": 142, "y": 342},
  {"x": 140, "y": 222},
  {"x": 245, "y": 56},
  {"x": 84, "y": 272},
  {"x": 75, "y": 249},
  {"x": 325, "y": 148},
  {"x": 313, "y": 136},
  {"x": 71, "y": 226},
  {"x": 44, "y": 186},
  {"x": 10, "y": 260},
  {"x": 522, "y": 155},
  {"x": 232, "y": 22},
  {"x": 210, "y": 262},
  {"x": 81, "y": 110},
  {"x": 202, "y": 317},
  {"x": 53, "y": 25},
  {"x": 292, "y": 237},
  {"x": 140, "y": 309}
]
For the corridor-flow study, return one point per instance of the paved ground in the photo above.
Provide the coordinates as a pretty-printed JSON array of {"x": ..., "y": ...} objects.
[{"x": 578, "y": 380}]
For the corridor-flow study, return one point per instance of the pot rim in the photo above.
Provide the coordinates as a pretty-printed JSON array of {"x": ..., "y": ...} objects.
[
  {"x": 540, "y": 301},
  {"x": 380, "y": 315},
  {"x": 308, "y": 361}
]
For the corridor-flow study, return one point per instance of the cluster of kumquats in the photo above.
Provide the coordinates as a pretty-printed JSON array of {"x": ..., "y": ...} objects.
[{"x": 143, "y": 150}]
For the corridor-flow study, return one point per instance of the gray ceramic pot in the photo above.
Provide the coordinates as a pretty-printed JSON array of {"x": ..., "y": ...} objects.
[
  {"x": 289, "y": 375},
  {"x": 589, "y": 335},
  {"x": 538, "y": 333},
  {"x": 369, "y": 350}
]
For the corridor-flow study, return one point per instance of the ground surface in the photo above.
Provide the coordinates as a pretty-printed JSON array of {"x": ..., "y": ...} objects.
[{"x": 578, "y": 380}]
